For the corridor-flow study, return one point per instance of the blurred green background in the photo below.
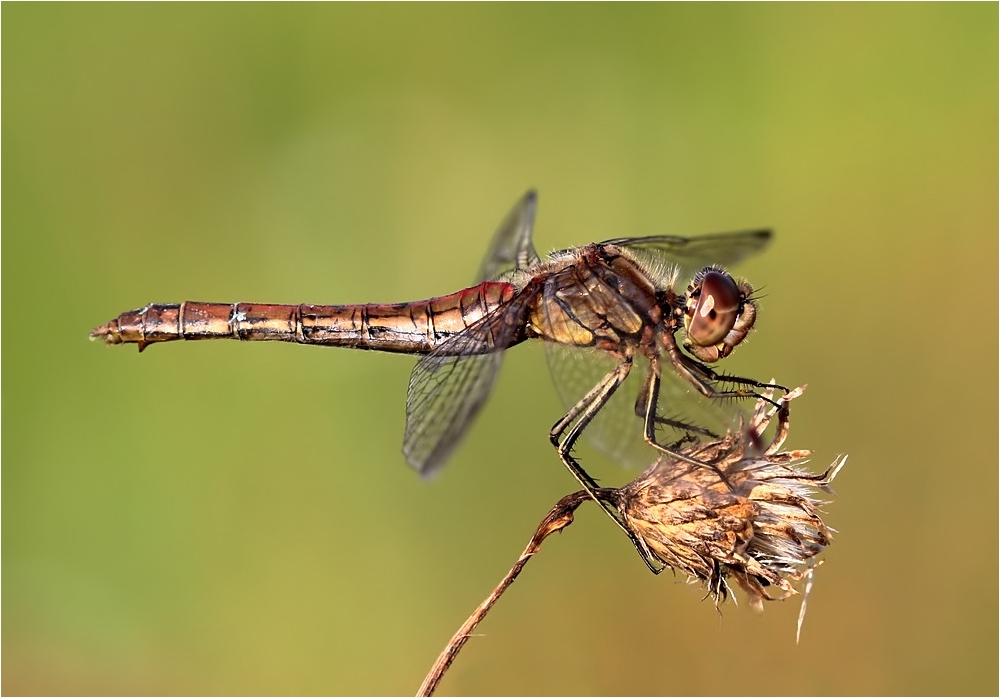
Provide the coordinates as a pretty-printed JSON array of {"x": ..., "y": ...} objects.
[{"x": 227, "y": 518}]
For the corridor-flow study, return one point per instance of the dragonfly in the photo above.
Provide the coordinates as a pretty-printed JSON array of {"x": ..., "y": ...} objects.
[{"x": 611, "y": 304}]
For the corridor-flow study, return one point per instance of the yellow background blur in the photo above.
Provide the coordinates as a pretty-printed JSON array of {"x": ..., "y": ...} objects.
[{"x": 227, "y": 518}]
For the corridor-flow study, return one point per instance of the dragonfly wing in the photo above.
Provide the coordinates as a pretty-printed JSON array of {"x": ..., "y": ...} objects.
[
  {"x": 449, "y": 386},
  {"x": 512, "y": 248},
  {"x": 692, "y": 254},
  {"x": 445, "y": 395}
]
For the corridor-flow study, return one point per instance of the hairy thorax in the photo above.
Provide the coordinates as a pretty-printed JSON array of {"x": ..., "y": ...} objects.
[{"x": 599, "y": 297}]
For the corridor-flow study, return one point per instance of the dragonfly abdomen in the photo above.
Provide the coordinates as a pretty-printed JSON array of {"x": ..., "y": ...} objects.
[
  {"x": 417, "y": 327},
  {"x": 192, "y": 320}
]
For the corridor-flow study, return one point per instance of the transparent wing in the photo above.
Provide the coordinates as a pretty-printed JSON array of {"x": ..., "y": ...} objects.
[
  {"x": 692, "y": 254},
  {"x": 445, "y": 395},
  {"x": 512, "y": 248},
  {"x": 449, "y": 385}
]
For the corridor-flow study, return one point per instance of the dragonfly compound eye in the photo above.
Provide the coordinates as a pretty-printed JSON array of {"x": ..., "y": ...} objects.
[{"x": 718, "y": 314}]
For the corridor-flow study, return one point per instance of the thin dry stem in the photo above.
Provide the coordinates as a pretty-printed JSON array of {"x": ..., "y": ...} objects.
[{"x": 557, "y": 519}]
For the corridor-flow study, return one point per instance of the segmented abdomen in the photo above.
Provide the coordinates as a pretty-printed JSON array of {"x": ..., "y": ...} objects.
[{"x": 417, "y": 327}]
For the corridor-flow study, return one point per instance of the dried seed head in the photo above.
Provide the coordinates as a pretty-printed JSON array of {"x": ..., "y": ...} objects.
[{"x": 761, "y": 528}]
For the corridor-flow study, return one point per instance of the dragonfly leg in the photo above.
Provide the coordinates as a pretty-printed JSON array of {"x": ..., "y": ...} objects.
[
  {"x": 691, "y": 431},
  {"x": 651, "y": 390},
  {"x": 702, "y": 377},
  {"x": 576, "y": 420}
]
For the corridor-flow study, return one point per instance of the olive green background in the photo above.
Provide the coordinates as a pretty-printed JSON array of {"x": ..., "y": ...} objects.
[{"x": 227, "y": 518}]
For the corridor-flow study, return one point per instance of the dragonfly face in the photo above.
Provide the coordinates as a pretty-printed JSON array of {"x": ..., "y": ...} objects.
[{"x": 718, "y": 314}]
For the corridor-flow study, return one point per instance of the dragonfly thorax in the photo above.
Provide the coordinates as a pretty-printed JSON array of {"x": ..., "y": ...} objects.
[{"x": 599, "y": 297}]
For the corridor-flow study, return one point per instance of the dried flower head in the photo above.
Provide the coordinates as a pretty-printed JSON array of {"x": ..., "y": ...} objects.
[{"x": 761, "y": 528}]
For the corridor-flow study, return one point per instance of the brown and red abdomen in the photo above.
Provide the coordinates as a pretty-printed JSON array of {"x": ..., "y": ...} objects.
[{"x": 417, "y": 327}]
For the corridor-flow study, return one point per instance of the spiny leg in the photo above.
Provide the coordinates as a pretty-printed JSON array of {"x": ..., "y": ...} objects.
[
  {"x": 651, "y": 390},
  {"x": 576, "y": 420},
  {"x": 701, "y": 376},
  {"x": 582, "y": 413},
  {"x": 691, "y": 431}
]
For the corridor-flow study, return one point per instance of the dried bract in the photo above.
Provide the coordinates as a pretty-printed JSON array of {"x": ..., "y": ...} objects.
[{"x": 761, "y": 528}]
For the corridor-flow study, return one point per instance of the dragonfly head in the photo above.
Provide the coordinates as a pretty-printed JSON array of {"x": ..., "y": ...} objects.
[{"x": 718, "y": 314}]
